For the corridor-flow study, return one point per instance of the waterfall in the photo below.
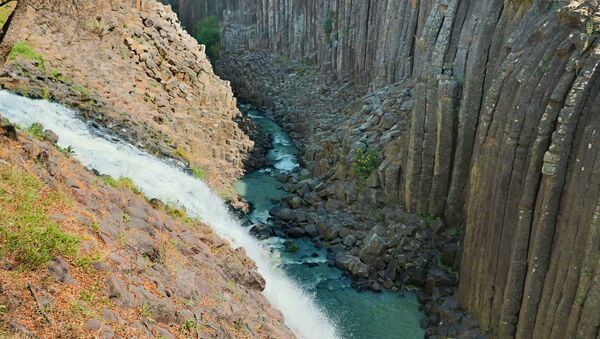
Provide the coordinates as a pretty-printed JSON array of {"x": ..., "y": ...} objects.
[{"x": 159, "y": 179}]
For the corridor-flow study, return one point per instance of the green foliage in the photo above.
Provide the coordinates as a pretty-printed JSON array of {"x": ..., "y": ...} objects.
[
  {"x": 23, "y": 50},
  {"x": 364, "y": 162},
  {"x": 100, "y": 28},
  {"x": 329, "y": 26},
  {"x": 82, "y": 91},
  {"x": 198, "y": 172},
  {"x": 27, "y": 232},
  {"x": 36, "y": 130},
  {"x": 208, "y": 34},
  {"x": 66, "y": 150},
  {"x": 445, "y": 267},
  {"x": 122, "y": 182},
  {"x": 182, "y": 153},
  {"x": 589, "y": 27},
  {"x": 56, "y": 76},
  {"x": 188, "y": 326},
  {"x": 146, "y": 311},
  {"x": 5, "y": 12},
  {"x": 428, "y": 218},
  {"x": 86, "y": 262}
]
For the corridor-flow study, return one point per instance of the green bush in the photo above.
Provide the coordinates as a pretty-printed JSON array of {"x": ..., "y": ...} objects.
[
  {"x": 364, "y": 162},
  {"x": 208, "y": 34},
  {"x": 28, "y": 234},
  {"x": 36, "y": 130}
]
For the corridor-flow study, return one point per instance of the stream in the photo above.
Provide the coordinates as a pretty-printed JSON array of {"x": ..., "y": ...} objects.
[
  {"x": 356, "y": 314},
  {"x": 317, "y": 302}
]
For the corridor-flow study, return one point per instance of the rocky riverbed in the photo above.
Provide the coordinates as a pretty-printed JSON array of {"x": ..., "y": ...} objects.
[{"x": 381, "y": 248}]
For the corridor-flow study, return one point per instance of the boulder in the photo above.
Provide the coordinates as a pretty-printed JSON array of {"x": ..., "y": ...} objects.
[{"x": 352, "y": 264}]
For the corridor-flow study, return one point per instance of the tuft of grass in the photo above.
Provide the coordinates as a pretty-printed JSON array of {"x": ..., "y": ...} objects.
[
  {"x": 146, "y": 312},
  {"x": 28, "y": 233},
  {"x": 187, "y": 326},
  {"x": 445, "y": 267},
  {"x": 36, "y": 130},
  {"x": 100, "y": 28},
  {"x": 122, "y": 182},
  {"x": 23, "y": 50},
  {"x": 81, "y": 91},
  {"x": 198, "y": 172},
  {"x": 182, "y": 153}
]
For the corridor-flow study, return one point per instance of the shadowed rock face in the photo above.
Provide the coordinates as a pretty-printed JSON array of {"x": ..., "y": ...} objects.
[{"x": 503, "y": 135}]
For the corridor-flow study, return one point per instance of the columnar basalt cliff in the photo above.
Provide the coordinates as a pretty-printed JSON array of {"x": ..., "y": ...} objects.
[
  {"x": 502, "y": 139},
  {"x": 137, "y": 72}
]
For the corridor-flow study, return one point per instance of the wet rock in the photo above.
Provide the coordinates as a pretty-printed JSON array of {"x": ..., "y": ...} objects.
[
  {"x": 262, "y": 231},
  {"x": 373, "y": 247},
  {"x": 352, "y": 264},
  {"x": 296, "y": 232},
  {"x": 349, "y": 240},
  {"x": 311, "y": 230}
]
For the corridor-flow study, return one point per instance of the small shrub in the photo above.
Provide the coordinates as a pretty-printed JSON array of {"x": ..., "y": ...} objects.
[
  {"x": 364, "y": 162},
  {"x": 208, "y": 34},
  {"x": 589, "y": 27},
  {"x": 36, "y": 130},
  {"x": 188, "y": 326},
  {"x": 23, "y": 50},
  {"x": 100, "y": 28},
  {"x": 28, "y": 233}
]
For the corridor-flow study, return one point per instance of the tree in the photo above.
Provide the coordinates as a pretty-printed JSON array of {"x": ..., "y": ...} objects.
[{"x": 208, "y": 34}]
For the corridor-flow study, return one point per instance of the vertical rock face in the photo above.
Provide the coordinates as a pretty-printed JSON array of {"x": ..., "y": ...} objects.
[{"x": 503, "y": 136}]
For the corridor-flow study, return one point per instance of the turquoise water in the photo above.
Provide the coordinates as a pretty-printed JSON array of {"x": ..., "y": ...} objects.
[{"x": 356, "y": 314}]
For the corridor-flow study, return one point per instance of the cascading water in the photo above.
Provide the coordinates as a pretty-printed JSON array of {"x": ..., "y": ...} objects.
[{"x": 158, "y": 179}]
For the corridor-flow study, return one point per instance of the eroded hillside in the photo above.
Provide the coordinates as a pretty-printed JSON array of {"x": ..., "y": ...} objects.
[{"x": 86, "y": 255}]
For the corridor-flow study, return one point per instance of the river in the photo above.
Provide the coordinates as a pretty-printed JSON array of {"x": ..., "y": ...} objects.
[{"x": 356, "y": 314}]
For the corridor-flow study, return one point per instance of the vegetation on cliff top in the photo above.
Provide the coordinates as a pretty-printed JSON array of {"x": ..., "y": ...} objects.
[{"x": 208, "y": 34}]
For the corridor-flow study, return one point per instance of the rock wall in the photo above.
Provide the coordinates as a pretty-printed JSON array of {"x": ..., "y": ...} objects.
[{"x": 502, "y": 136}]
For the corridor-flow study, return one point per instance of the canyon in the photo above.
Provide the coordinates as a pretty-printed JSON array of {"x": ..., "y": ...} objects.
[
  {"x": 491, "y": 125},
  {"x": 441, "y": 153}
]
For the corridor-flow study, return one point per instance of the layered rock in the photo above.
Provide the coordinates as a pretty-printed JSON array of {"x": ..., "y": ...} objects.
[{"x": 501, "y": 135}]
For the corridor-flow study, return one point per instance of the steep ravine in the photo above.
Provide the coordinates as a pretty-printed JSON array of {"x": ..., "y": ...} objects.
[{"x": 492, "y": 109}]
